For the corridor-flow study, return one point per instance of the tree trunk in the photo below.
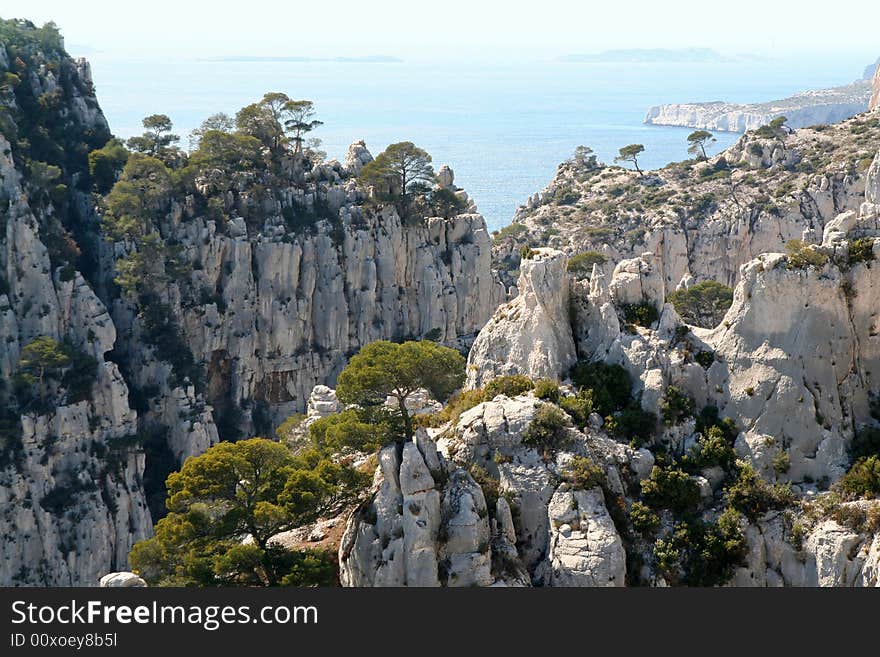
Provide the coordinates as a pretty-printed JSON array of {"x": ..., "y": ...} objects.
[{"x": 407, "y": 420}]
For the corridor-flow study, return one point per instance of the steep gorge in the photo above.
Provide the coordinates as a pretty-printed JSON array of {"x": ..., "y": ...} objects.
[{"x": 281, "y": 287}]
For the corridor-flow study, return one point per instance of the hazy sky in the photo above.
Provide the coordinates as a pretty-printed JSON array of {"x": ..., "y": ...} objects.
[{"x": 441, "y": 28}]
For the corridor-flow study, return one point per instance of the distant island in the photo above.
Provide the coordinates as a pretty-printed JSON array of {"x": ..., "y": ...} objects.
[
  {"x": 650, "y": 55},
  {"x": 369, "y": 59}
]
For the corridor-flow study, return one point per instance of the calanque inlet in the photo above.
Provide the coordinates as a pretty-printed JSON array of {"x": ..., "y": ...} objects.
[{"x": 248, "y": 364}]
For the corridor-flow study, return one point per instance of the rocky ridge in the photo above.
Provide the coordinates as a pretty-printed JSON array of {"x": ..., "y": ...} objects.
[{"x": 702, "y": 220}]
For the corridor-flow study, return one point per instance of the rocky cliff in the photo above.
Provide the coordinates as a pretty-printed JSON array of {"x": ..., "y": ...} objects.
[
  {"x": 273, "y": 292},
  {"x": 793, "y": 369},
  {"x": 874, "y": 103},
  {"x": 820, "y": 107},
  {"x": 72, "y": 498}
]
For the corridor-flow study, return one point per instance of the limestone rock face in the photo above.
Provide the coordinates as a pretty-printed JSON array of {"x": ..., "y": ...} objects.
[
  {"x": 396, "y": 538},
  {"x": 696, "y": 225},
  {"x": 414, "y": 531},
  {"x": 290, "y": 312},
  {"x": 793, "y": 362},
  {"x": 634, "y": 282},
  {"x": 530, "y": 335},
  {"x": 72, "y": 502},
  {"x": 445, "y": 177},
  {"x": 279, "y": 290},
  {"x": 831, "y": 555},
  {"x": 585, "y": 548},
  {"x": 322, "y": 402},
  {"x": 874, "y": 103}
]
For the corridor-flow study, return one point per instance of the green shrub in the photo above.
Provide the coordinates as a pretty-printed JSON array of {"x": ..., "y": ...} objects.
[
  {"x": 705, "y": 359},
  {"x": 644, "y": 520},
  {"x": 671, "y": 488},
  {"x": 286, "y": 428},
  {"x": 709, "y": 417},
  {"x": 310, "y": 567},
  {"x": 611, "y": 385},
  {"x": 801, "y": 256},
  {"x": 548, "y": 430},
  {"x": 490, "y": 485},
  {"x": 720, "y": 548},
  {"x": 863, "y": 478},
  {"x": 527, "y": 253},
  {"x": 632, "y": 424},
  {"x": 359, "y": 429},
  {"x": 712, "y": 449},
  {"x": 752, "y": 496},
  {"x": 861, "y": 250},
  {"x": 641, "y": 314},
  {"x": 512, "y": 231},
  {"x": 773, "y": 130},
  {"x": 106, "y": 163},
  {"x": 510, "y": 385},
  {"x": 582, "y": 263},
  {"x": 676, "y": 406},
  {"x": 865, "y": 443},
  {"x": 547, "y": 389},
  {"x": 583, "y": 474},
  {"x": 781, "y": 462},
  {"x": 702, "y": 554},
  {"x": 579, "y": 407},
  {"x": 703, "y": 304}
]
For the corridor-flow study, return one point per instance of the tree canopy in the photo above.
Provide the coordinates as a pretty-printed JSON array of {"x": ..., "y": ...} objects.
[
  {"x": 225, "y": 506},
  {"x": 697, "y": 141},
  {"x": 299, "y": 119},
  {"x": 277, "y": 120},
  {"x": 703, "y": 304},
  {"x": 157, "y": 139},
  {"x": 385, "y": 369},
  {"x": 397, "y": 173},
  {"x": 40, "y": 359},
  {"x": 631, "y": 154}
]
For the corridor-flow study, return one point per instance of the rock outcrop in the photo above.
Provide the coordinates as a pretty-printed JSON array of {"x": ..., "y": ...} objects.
[
  {"x": 585, "y": 548},
  {"x": 530, "y": 335},
  {"x": 426, "y": 525},
  {"x": 874, "y": 103},
  {"x": 557, "y": 536}
]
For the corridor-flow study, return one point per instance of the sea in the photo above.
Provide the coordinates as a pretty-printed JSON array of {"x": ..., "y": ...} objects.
[{"x": 502, "y": 124}]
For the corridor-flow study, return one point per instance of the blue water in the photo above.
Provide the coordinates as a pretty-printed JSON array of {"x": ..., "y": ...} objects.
[{"x": 503, "y": 127}]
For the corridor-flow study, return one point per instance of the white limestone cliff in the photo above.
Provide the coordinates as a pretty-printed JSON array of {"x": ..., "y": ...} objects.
[{"x": 530, "y": 335}]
